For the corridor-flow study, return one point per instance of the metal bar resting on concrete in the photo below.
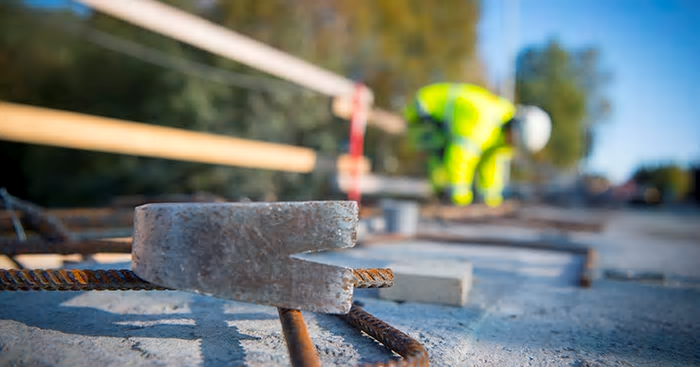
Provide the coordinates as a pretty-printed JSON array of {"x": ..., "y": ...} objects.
[{"x": 301, "y": 349}]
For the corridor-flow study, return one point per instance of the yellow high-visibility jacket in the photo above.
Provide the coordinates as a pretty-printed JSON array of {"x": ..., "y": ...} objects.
[{"x": 461, "y": 126}]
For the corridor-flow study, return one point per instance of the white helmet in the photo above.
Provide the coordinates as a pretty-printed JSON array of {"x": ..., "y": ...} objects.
[{"x": 533, "y": 127}]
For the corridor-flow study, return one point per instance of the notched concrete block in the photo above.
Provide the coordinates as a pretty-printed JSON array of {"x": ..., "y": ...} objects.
[{"x": 446, "y": 282}]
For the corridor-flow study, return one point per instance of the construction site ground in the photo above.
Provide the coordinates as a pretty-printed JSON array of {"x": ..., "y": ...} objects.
[{"x": 525, "y": 307}]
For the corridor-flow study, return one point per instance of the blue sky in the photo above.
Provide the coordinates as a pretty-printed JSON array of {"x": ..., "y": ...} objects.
[{"x": 652, "y": 49}]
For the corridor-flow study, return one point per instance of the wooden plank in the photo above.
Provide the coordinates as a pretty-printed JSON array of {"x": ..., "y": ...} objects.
[{"x": 44, "y": 126}]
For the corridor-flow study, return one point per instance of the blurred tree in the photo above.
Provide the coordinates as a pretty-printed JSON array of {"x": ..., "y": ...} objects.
[
  {"x": 286, "y": 114},
  {"x": 92, "y": 63},
  {"x": 671, "y": 180},
  {"x": 568, "y": 84},
  {"x": 49, "y": 63},
  {"x": 397, "y": 47},
  {"x": 393, "y": 47}
]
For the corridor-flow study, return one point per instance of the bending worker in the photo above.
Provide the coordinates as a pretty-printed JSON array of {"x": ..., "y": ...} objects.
[{"x": 470, "y": 135}]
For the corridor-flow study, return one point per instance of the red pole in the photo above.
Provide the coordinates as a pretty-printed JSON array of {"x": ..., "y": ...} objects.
[{"x": 358, "y": 124}]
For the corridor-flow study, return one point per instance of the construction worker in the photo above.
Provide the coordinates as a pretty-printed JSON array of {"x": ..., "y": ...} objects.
[{"x": 470, "y": 133}]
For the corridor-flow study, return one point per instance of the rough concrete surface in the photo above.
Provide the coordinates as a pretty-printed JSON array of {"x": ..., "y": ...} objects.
[{"x": 524, "y": 309}]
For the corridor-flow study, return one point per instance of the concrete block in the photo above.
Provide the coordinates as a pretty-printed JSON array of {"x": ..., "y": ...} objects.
[{"x": 444, "y": 282}]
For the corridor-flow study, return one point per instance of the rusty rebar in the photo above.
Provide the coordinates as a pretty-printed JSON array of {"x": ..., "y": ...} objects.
[
  {"x": 48, "y": 225},
  {"x": 586, "y": 275},
  {"x": 373, "y": 278},
  {"x": 302, "y": 351},
  {"x": 364, "y": 278},
  {"x": 73, "y": 280},
  {"x": 413, "y": 353},
  {"x": 16, "y": 223},
  {"x": 113, "y": 280}
]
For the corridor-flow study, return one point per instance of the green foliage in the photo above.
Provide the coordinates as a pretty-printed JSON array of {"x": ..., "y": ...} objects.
[
  {"x": 397, "y": 47},
  {"x": 568, "y": 84},
  {"x": 394, "y": 47},
  {"x": 61, "y": 60},
  {"x": 672, "y": 181}
]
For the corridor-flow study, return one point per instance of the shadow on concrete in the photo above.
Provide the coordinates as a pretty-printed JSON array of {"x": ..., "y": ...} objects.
[{"x": 220, "y": 343}]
